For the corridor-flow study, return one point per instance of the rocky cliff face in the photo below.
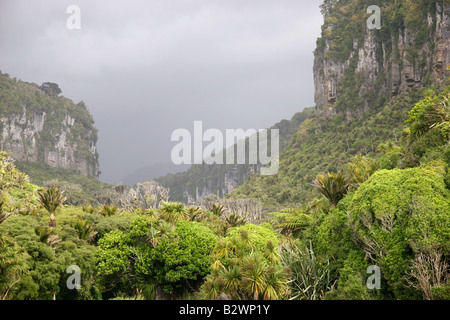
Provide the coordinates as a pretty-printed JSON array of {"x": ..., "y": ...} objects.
[
  {"x": 36, "y": 127},
  {"x": 357, "y": 68},
  {"x": 221, "y": 184}
]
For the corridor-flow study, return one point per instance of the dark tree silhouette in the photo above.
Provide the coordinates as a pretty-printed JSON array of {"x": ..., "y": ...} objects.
[{"x": 51, "y": 89}]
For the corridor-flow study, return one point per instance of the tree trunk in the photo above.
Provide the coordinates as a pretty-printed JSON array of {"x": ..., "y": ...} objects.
[
  {"x": 161, "y": 295},
  {"x": 52, "y": 222}
]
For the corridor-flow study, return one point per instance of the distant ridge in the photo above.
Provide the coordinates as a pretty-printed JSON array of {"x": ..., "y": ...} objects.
[{"x": 152, "y": 172}]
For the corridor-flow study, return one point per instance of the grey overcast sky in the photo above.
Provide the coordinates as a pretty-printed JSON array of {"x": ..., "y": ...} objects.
[{"x": 146, "y": 68}]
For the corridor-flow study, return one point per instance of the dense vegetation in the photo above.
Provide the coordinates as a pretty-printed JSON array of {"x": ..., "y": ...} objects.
[
  {"x": 351, "y": 196},
  {"x": 388, "y": 208},
  {"x": 323, "y": 145}
]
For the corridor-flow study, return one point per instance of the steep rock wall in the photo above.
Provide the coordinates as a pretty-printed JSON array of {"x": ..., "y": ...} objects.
[
  {"x": 357, "y": 68},
  {"x": 38, "y": 128}
]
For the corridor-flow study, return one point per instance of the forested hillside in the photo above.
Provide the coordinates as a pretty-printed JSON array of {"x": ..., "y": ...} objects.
[
  {"x": 389, "y": 211},
  {"x": 359, "y": 210},
  {"x": 323, "y": 145},
  {"x": 365, "y": 83}
]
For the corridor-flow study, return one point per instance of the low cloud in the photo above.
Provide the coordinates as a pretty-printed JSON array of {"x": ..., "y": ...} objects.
[{"x": 146, "y": 68}]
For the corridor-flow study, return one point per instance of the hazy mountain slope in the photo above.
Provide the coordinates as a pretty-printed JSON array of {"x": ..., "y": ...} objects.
[
  {"x": 202, "y": 180},
  {"x": 152, "y": 172}
]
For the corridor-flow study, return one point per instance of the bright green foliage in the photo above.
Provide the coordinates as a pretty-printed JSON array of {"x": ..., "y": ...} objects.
[
  {"x": 325, "y": 145},
  {"x": 17, "y": 195},
  {"x": 247, "y": 265},
  {"x": 291, "y": 221},
  {"x": 44, "y": 252},
  {"x": 156, "y": 253},
  {"x": 398, "y": 213},
  {"x": 187, "y": 257},
  {"x": 334, "y": 186},
  {"x": 332, "y": 235},
  {"x": 361, "y": 167},
  {"x": 113, "y": 252},
  {"x": 12, "y": 267},
  {"x": 310, "y": 278},
  {"x": 51, "y": 199},
  {"x": 47, "y": 261},
  {"x": 120, "y": 252},
  {"x": 430, "y": 112},
  {"x": 173, "y": 211},
  {"x": 253, "y": 237}
]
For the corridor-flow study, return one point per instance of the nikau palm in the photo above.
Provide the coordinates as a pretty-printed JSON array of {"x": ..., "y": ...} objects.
[
  {"x": 173, "y": 211},
  {"x": 3, "y": 215},
  {"x": 334, "y": 186},
  {"x": 246, "y": 276},
  {"x": 362, "y": 167},
  {"x": 217, "y": 210},
  {"x": 51, "y": 199}
]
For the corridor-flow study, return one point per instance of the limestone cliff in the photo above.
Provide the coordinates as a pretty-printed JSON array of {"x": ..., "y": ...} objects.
[
  {"x": 38, "y": 127},
  {"x": 357, "y": 68}
]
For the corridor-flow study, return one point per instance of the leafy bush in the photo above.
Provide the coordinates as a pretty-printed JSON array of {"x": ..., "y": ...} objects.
[
  {"x": 441, "y": 293},
  {"x": 187, "y": 257},
  {"x": 176, "y": 257},
  {"x": 310, "y": 278},
  {"x": 398, "y": 213},
  {"x": 256, "y": 236}
]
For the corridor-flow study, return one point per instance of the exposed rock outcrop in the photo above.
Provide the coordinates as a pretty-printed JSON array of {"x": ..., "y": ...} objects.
[
  {"x": 382, "y": 63},
  {"x": 46, "y": 128}
]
